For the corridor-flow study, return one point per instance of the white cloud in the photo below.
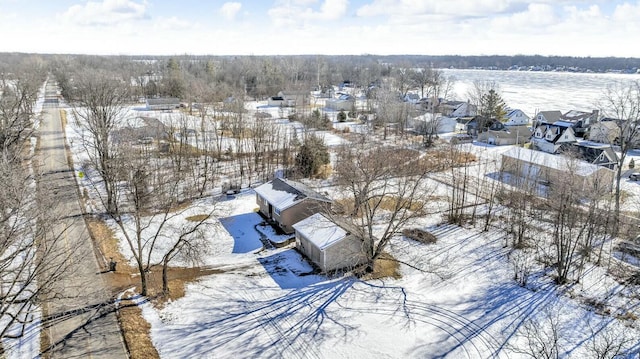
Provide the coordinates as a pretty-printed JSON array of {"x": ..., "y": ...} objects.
[
  {"x": 535, "y": 19},
  {"x": 172, "y": 23},
  {"x": 460, "y": 8},
  {"x": 299, "y": 11},
  {"x": 107, "y": 12},
  {"x": 230, "y": 9}
]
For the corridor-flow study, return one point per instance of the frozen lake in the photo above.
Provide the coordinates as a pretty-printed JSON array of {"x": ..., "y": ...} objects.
[{"x": 533, "y": 91}]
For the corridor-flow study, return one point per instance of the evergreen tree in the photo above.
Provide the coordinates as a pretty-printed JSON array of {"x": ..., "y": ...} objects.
[
  {"x": 312, "y": 157},
  {"x": 492, "y": 106}
]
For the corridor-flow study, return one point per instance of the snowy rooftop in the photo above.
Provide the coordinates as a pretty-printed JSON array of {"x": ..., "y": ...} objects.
[
  {"x": 282, "y": 193},
  {"x": 557, "y": 162},
  {"x": 320, "y": 230}
]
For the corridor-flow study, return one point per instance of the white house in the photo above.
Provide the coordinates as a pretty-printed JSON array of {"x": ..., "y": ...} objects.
[
  {"x": 516, "y": 118},
  {"x": 295, "y": 98},
  {"x": 277, "y": 101},
  {"x": 604, "y": 132},
  {"x": 549, "y": 138},
  {"x": 344, "y": 102},
  {"x": 328, "y": 245}
]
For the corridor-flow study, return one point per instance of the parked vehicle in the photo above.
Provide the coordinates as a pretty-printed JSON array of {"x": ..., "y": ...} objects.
[
  {"x": 635, "y": 176},
  {"x": 461, "y": 138}
]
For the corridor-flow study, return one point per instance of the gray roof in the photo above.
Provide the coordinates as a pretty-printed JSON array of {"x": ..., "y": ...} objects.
[
  {"x": 283, "y": 193},
  {"x": 550, "y": 116},
  {"x": 163, "y": 101}
]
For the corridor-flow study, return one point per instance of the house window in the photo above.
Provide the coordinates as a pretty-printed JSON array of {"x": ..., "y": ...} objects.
[{"x": 276, "y": 211}]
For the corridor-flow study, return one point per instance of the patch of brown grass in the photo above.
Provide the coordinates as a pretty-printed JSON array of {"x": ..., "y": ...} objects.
[
  {"x": 63, "y": 119},
  {"x": 389, "y": 203},
  {"x": 197, "y": 218},
  {"x": 107, "y": 242},
  {"x": 384, "y": 267},
  {"x": 134, "y": 327},
  {"x": 136, "y": 332}
]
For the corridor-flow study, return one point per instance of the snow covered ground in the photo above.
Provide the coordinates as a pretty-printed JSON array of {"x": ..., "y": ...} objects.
[{"x": 464, "y": 304}]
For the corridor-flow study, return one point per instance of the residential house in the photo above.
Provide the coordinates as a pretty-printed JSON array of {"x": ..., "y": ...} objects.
[
  {"x": 143, "y": 130},
  {"x": 580, "y": 121},
  {"x": 287, "y": 202},
  {"x": 163, "y": 104},
  {"x": 472, "y": 125},
  {"x": 457, "y": 109},
  {"x": 546, "y": 117},
  {"x": 604, "y": 132},
  {"x": 511, "y": 135},
  {"x": 328, "y": 245},
  {"x": 295, "y": 98},
  {"x": 550, "y": 137},
  {"x": 516, "y": 117},
  {"x": 543, "y": 167},
  {"x": 344, "y": 102},
  {"x": 601, "y": 155},
  {"x": 277, "y": 101}
]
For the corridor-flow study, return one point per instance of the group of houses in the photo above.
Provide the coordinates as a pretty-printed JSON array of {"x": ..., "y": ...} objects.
[
  {"x": 554, "y": 142},
  {"x": 294, "y": 208}
]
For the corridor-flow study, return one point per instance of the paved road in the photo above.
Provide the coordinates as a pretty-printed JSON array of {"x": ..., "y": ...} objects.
[{"x": 81, "y": 323}]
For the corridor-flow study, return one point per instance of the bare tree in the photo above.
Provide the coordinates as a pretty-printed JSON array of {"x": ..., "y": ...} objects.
[
  {"x": 18, "y": 94},
  {"x": 571, "y": 219},
  {"x": 101, "y": 99},
  {"x": 608, "y": 341},
  {"x": 542, "y": 334},
  {"x": 622, "y": 104},
  {"x": 148, "y": 206},
  {"x": 33, "y": 256},
  {"x": 386, "y": 189}
]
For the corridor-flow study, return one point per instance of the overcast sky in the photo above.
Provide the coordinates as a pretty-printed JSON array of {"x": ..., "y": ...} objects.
[{"x": 267, "y": 27}]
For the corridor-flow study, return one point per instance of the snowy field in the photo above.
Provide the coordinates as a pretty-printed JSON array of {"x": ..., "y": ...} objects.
[{"x": 464, "y": 304}]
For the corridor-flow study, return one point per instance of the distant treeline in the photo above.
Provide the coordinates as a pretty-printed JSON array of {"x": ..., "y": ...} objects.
[
  {"x": 595, "y": 64},
  {"x": 501, "y": 62}
]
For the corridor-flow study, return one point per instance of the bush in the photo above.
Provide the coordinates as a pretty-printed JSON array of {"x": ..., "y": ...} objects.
[
  {"x": 342, "y": 116},
  {"x": 420, "y": 236}
]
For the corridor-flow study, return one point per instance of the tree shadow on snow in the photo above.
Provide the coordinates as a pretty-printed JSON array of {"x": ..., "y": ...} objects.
[{"x": 291, "y": 324}]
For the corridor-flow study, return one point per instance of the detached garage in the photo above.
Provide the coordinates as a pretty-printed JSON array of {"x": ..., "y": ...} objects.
[
  {"x": 328, "y": 245},
  {"x": 548, "y": 168}
]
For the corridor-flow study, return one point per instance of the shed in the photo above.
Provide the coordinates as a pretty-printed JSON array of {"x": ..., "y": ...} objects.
[
  {"x": 163, "y": 103},
  {"x": 549, "y": 168},
  {"x": 328, "y": 245}
]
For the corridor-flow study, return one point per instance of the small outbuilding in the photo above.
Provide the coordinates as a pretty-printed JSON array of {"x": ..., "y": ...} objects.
[
  {"x": 328, "y": 245},
  {"x": 163, "y": 104},
  {"x": 544, "y": 167}
]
